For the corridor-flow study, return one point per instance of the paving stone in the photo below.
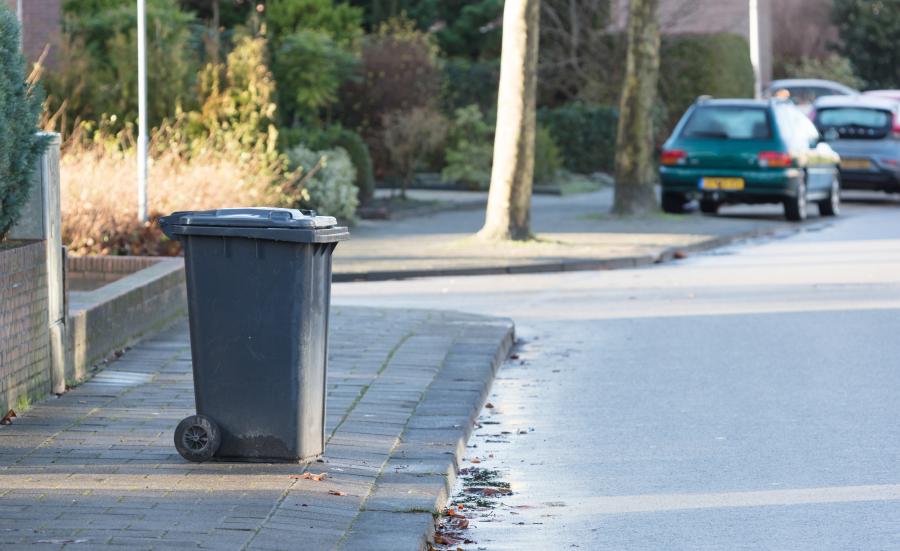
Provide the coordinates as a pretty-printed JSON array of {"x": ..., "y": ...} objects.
[
  {"x": 98, "y": 462},
  {"x": 386, "y": 531}
]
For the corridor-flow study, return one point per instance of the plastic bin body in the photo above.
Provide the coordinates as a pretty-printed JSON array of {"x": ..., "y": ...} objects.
[{"x": 258, "y": 311}]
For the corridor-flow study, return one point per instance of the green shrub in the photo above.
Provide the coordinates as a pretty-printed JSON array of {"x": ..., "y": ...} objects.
[
  {"x": 332, "y": 137},
  {"x": 585, "y": 135},
  {"x": 339, "y": 20},
  {"x": 309, "y": 67},
  {"x": 328, "y": 181},
  {"x": 358, "y": 151},
  {"x": 469, "y": 82},
  {"x": 470, "y": 149},
  {"x": 20, "y": 107},
  {"x": 832, "y": 67},
  {"x": 97, "y": 66},
  {"x": 693, "y": 65},
  {"x": 869, "y": 34},
  {"x": 547, "y": 158}
]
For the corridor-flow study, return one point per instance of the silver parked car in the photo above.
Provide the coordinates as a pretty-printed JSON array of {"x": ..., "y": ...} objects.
[
  {"x": 865, "y": 132},
  {"x": 803, "y": 92}
]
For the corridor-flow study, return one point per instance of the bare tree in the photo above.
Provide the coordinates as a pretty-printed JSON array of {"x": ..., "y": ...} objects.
[
  {"x": 634, "y": 143},
  {"x": 583, "y": 46},
  {"x": 509, "y": 201}
]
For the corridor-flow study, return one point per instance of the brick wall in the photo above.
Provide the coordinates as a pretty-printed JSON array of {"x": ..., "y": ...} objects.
[
  {"x": 41, "y": 26},
  {"x": 24, "y": 336},
  {"x": 98, "y": 269}
]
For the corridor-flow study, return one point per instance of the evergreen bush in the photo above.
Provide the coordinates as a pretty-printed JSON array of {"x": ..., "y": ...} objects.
[
  {"x": 20, "y": 108},
  {"x": 585, "y": 135}
]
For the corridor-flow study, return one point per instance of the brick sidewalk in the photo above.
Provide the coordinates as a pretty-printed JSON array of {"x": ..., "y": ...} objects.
[{"x": 97, "y": 467}]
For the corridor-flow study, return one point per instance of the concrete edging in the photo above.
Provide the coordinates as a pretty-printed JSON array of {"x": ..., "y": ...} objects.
[{"x": 119, "y": 313}]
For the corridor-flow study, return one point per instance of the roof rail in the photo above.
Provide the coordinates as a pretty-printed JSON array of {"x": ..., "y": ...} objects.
[{"x": 701, "y": 99}]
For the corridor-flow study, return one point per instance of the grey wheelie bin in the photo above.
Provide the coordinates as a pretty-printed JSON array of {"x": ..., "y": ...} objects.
[{"x": 259, "y": 287}]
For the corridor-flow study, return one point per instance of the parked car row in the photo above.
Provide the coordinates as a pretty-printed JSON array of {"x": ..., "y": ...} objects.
[{"x": 726, "y": 151}]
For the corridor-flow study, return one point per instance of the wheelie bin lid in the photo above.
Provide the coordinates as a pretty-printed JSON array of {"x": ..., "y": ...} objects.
[{"x": 278, "y": 224}]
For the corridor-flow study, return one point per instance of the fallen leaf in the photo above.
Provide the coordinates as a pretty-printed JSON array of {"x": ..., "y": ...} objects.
[
  {"x": 309, "y": 476},
  {"x": 475, "y": 460},
  {"x": 462, "y": 524},
  {"x": 513, "y": 356},
  {"x": 679, "y": 255},
  {"x": 489, "y": 405},
  {"x": 523, "y": 431},
  {"x": 7, "y": 419},
  {"x": 336, "y": 493}
]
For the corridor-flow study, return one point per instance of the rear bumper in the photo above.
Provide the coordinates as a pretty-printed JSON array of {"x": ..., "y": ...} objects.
[
  {"x": 760, "y": 186},
  {"x": 875, "y": 180}
]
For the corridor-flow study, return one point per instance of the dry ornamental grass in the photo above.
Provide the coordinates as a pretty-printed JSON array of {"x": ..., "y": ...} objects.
[{"x": 99, "y": 195}]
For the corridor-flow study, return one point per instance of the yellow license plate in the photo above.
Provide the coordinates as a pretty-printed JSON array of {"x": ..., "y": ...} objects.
[
  {"x": 856, "y": 164},
  {"x": 724, "y": 184}
]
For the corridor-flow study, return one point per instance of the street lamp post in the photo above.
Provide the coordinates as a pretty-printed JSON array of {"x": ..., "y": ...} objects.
[
  {"x": 754, "y": 47},
  {"x": 142, "y": 111}
]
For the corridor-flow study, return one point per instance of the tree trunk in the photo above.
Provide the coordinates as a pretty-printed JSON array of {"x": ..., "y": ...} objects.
[
  {"x": 635, "y": 174},
  {"x": 509, "y": 201}
]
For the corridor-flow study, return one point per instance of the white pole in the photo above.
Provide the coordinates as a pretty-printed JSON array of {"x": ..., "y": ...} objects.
[
  {"x": 21, "y": 27},
  {"x": 754, "y": 47},
  {"x": 142, "y": 112}
]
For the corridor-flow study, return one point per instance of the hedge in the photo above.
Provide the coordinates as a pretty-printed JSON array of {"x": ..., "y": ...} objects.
[
  {"x": 585, "y": 135},
  {"x": 693, "y": 65}
]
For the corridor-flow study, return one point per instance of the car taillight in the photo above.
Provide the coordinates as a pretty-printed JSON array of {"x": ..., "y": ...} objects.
[
  {"x": 671, "y": 157},
  {"x": 775, "y": 159},
  {"x": 896, "y": 128}
]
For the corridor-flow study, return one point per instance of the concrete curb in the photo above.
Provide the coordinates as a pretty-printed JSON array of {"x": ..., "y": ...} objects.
[
  {"x": 421, "y": 471},
  {"x": 574, "y": 265}
]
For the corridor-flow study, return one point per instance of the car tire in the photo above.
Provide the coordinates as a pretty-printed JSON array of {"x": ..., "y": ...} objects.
[
  {"x": 832, "y": 205},
  {"x": 795, "y": 208},
  {"x": 709, "y": 206},
  {"x": 673, "y": 203}
]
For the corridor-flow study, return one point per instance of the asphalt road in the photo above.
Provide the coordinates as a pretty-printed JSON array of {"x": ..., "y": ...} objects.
[{"x": 743, "y": 399}]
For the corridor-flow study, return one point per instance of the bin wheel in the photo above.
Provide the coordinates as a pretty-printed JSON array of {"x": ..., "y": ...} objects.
[{"x": 197, "y": 438}]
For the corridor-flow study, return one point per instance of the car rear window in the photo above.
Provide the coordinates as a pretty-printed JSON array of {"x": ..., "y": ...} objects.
[
  {"x": 854, "y": 122},
  {"x": 728, "y": 123}
]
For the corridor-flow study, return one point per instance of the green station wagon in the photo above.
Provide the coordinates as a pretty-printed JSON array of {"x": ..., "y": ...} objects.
[{"x": 726, "y": 151}]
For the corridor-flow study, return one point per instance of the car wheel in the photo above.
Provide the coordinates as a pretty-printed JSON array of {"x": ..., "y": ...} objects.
[
  {"x": 709, "y": 206},
  {"x": 795, "y": 207},
  {"x": 673, "y": 203},
  {"x": 832, "y": 205}
]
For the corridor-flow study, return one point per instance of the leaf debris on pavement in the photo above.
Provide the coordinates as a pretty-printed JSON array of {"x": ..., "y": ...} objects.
[
  {"x": 309, "y": 476},
  {"x": 7, "y": 419}
]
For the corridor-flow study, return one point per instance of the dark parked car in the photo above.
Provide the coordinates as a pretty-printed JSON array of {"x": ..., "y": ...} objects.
[
  {"x": 748, "y": 151},
  {"x": 865, "y": 131}
]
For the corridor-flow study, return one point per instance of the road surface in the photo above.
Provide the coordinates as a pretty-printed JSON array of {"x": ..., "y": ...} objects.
[{"x": 743, "y": 399}]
